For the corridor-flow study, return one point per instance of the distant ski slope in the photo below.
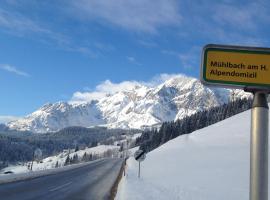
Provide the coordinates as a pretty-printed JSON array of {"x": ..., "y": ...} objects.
[{"x": 209, "y": 164}]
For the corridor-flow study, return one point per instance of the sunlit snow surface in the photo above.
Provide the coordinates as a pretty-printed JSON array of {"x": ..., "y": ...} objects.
[{"x": 209, "y": 164}]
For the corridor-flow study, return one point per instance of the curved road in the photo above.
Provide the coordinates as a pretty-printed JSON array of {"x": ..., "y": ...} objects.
[{"x": 92, "y": 181}]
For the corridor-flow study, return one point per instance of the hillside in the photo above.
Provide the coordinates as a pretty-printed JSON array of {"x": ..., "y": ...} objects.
[
  {"x": 58, "y": 161},
  {"x": 208, "y": 164}
]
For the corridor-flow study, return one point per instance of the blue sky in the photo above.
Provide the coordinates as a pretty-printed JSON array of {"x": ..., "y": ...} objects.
[{"x": 52, "y": 50}]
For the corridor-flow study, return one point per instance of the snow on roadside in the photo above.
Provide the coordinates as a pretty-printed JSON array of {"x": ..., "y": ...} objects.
[
  {"x": 50, "y": 162},
  {"x": 16, "y": 169},
  {"x": 133, "y": 150},
  {"x": 209, "y": 164},
  {"x": 34, "y": 174}
]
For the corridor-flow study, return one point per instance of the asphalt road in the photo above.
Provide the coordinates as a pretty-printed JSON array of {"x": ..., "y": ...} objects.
[{"x": 92, "y": 182}]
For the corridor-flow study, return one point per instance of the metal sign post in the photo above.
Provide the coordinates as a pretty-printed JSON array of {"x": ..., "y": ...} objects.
[
  {"x": 139, "y": 173},
  {"x": 246, "y": 68},
  {"x": 139, "y": 155},
  {"x": 259, "y": 148}
]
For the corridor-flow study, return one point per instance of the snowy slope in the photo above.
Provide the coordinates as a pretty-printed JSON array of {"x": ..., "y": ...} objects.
[
  {"x": 137, "y": 107},
  {"x": 209, "y": 164},
  {"x": 50, "y": 162}
]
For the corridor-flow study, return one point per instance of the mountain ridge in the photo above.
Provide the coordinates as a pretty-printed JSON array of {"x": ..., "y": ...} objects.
[{"x": 138, "y": 107}]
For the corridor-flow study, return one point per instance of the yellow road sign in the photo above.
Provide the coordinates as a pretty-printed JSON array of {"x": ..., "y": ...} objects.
[{"x": 235, "y": 66}]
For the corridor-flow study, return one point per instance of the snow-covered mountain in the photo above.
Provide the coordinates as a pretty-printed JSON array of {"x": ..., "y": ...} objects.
[{"x": 138, "y": 107}]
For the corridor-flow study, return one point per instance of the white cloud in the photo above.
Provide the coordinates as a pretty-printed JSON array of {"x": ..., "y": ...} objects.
[
  {"x": 80, "y": 49},
  {"x": 18, "y": 24},
  {"x": 241, "y": 16},
  {"x": 225, "y": 22},
  {"x": 87, "y": 96},
  {"x": 188, "y": 59},
  {"x": 133, "y": 60},
  {"x": 107, "y": 88},
  {"x": 5, "y": 119},
  {"x": 139, "y": 15},
  {"x": 13, "y": 69},
  {"x": 234, "y": 16},
  {"x": 159, "y": 79},
  {"x": 148, "y": 44},
  {"x": 104, "y": 47}
]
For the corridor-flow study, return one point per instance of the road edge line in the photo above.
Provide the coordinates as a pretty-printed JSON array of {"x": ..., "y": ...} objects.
[{"x": 114, "y": 188}]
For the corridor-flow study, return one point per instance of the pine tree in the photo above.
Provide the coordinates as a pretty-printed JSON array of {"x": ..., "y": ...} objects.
[
  {"x": 84, "y": 158},
  {"x": 76, "y": 148},
  {"x": 67, "y": 161},
  {"x": 57, "y": 165},
  {"x": 90, "y": 157},
  {"x": 75, "y": 159}
]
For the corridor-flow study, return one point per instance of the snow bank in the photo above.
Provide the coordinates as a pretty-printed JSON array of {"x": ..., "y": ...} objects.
[{"x": 209, "y": 164}]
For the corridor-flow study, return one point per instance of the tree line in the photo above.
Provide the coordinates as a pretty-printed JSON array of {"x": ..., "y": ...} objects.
[
  {"x": 88, "y": 157},
  {"x": 16, "y": 146},
  {"x": 152, "y": 139}
]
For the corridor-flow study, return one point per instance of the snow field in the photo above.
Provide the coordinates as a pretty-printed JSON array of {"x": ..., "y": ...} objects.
[{"x": 208, "y": 164}]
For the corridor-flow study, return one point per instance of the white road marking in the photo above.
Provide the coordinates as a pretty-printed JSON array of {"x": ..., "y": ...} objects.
[{"x": 59, "y": 187}]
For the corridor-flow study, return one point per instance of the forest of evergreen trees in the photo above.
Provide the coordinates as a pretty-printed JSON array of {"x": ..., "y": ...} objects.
[
  {"x": 19, "y": 146},
  {"x": 70, "y": 160},
  {"x": 152, "y": 139}
]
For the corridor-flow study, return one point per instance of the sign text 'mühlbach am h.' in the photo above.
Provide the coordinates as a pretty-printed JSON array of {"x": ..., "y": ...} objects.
[{"x": 234, "y": 66}]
